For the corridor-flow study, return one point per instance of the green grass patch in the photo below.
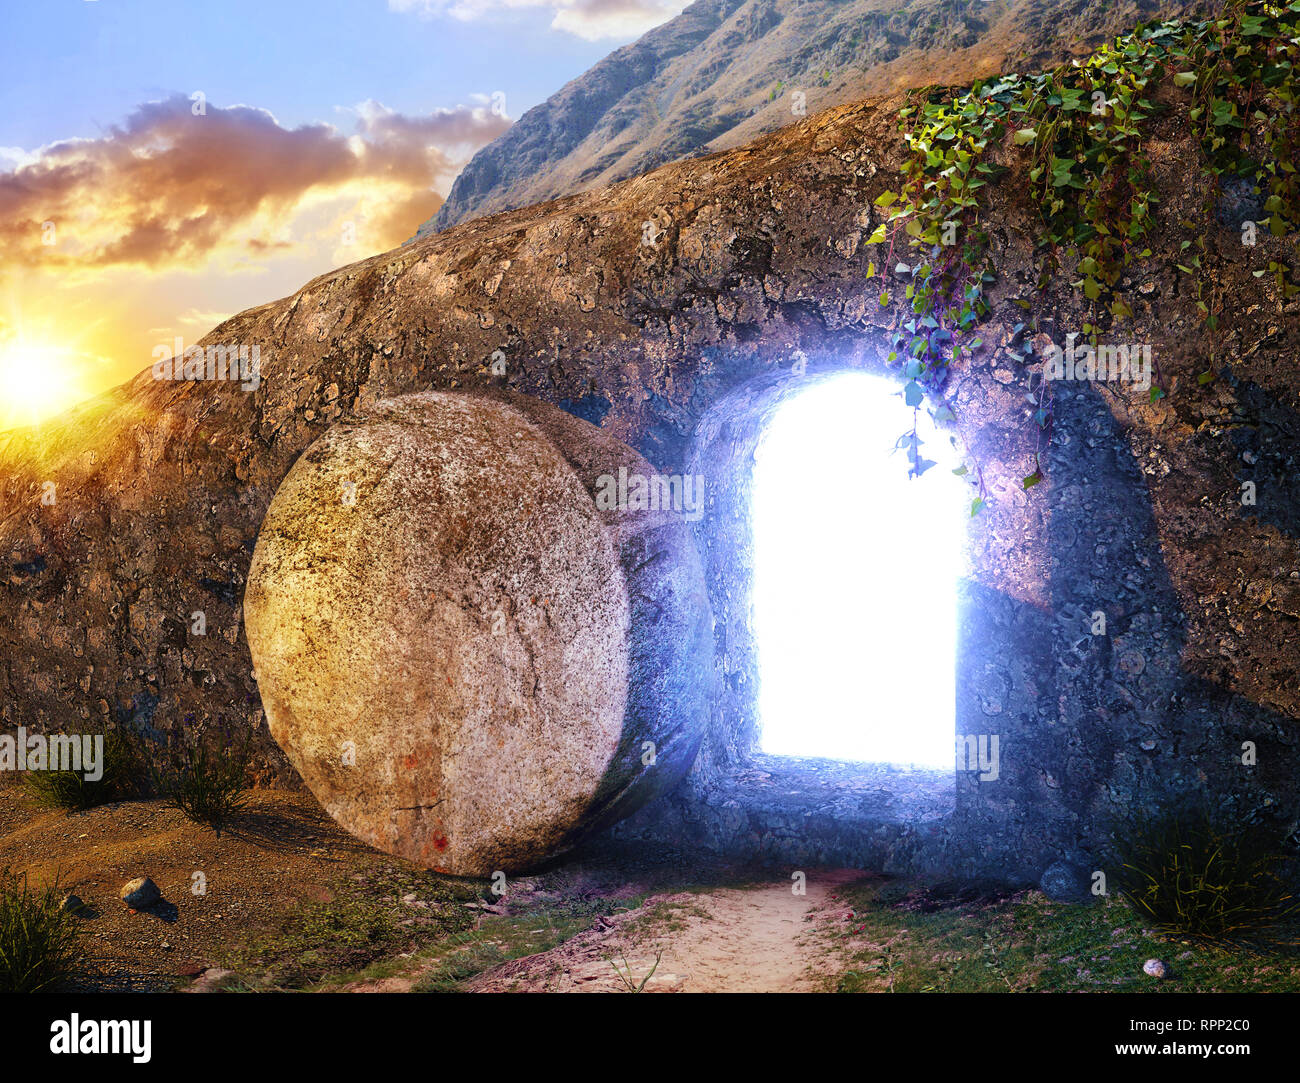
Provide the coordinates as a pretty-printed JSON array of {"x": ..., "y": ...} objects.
[
  {"x": 911, "y": 940},
  {"x": 664, "y": 918},
  {"x": 500, "y": 939},
  {"x": 366, "y": 924}
]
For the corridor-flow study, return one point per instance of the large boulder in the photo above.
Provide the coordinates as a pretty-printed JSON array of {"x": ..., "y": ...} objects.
[{"x": 472, "y": 655}]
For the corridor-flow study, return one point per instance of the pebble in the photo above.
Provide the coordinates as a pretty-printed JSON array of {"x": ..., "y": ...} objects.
[
  {"x": 139, "y": 893},
  {"x": 1155, "y": 968}
]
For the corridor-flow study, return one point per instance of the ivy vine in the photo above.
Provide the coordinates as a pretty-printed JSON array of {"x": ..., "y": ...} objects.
[{"x": 1079, "y": 132}]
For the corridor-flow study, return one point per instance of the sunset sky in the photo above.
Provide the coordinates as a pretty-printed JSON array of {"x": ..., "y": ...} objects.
[{"x": 164, "y": 165}]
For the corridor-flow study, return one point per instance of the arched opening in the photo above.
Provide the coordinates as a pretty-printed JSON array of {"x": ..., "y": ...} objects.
[{"x": 856, "y": 564}]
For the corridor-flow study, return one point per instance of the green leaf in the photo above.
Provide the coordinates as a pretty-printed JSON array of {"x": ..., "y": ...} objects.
[
  {"x": 912, "y": 394},
  {"x": 886, "y": 199},
  {"x": 976, "y": 506},
  {"x": 1184, "y": 78},
  {"x": 877, "y": 235},
  {"x": 1024, "y": 135},
  {"x": 1032, "y": 480}
]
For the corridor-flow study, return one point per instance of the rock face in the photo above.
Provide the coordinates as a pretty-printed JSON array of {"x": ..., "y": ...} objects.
[
  {"x": 442, "y": 622},
  {"x": 725, "y": 71},
  {"x": 757, "y": 283}
]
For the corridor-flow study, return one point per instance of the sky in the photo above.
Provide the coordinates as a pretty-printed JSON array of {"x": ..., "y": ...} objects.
[{"x": 166, "y": 164}]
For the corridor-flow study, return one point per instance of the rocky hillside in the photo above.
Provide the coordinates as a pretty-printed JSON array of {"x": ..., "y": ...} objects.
[
  {"x": 135, "y": 512},
  {"x": 725, "y": 71}
]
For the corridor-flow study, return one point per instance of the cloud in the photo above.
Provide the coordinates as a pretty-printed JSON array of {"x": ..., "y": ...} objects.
[
  {"x": 595, "y": 19},
  {"x": 196, "y": 317},
  {"x": 588, "y": 19},
  {"x": 13, "y": 157},
  {"x": 168, "y": 187}
]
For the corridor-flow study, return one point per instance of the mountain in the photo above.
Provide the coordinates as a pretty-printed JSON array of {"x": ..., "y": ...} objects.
[{"x": 725, "y": 71}]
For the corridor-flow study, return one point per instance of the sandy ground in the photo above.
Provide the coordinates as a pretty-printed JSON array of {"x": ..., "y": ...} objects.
[
  {"x": 711, "y": 929},
  {"x": 286, "y": 850},
  {"x": 761, "y": 938},
  {"x": 756, "y": 939}
]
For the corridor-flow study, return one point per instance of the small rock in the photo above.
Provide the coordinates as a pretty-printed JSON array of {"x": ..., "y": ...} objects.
[
  {"x": 72, "y": 904},
  {"x": 140, "y": 893},
  {"x": 209, "y": 980},
  {"x": 1065, "y": 882},
  {"x": 1239, "y": 201},
  {"x": 1155, "y": 968}
]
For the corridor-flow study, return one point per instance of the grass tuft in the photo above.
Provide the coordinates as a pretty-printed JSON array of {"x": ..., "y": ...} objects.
[
  {"x": 71, "y": 790},
  {"x": 205, "y": 776},
  {"x": 1196, "y": 873},
  {"x": 39, "y": 941}
]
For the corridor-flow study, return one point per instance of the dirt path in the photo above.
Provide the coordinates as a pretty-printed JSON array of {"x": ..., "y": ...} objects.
[{"x": 762, "y": 938}]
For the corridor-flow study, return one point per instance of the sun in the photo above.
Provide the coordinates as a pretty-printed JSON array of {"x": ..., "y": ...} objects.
[{"x": 35, "y": 382}]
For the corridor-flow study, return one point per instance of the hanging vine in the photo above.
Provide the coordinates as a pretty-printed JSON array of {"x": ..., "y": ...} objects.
[{"x": 1081, "y": 129}]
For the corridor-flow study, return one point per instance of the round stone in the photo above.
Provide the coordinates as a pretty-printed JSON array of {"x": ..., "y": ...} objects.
[
  {"x": 469, "y": 662},
  {"x": 1065, "y": 882},
  {"x": 140, "y": 893}
]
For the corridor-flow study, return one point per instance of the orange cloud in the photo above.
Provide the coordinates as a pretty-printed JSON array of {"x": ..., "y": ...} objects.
[{"x": 179, "y": 181}]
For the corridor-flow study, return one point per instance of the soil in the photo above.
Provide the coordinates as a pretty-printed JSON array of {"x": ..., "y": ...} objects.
[
  {"x": 293, "y": 901},
  {"x": 284, "y": 851},
  {"x": 758, "y": 939}
]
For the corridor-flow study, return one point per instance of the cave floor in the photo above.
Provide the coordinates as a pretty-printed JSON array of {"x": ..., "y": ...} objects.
[{"x": 290, "y": 901}]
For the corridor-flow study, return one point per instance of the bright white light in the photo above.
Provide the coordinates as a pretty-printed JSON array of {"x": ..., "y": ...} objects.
[
  {"x": 35, "y": 382},
  {"x": 856, "y": 568}
]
